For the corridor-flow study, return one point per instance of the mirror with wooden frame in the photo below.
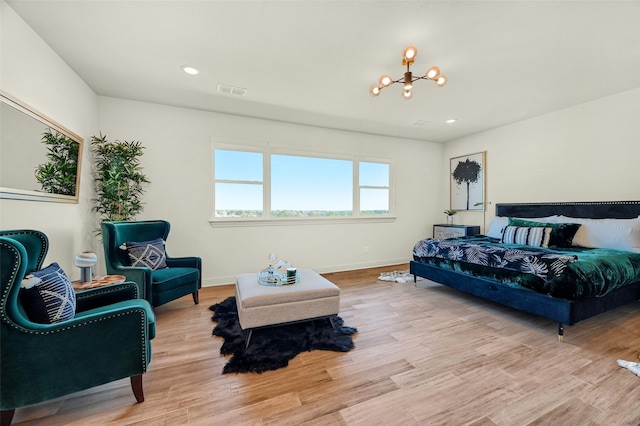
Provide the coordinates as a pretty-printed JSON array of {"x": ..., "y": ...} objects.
[{"x": 40, "y": 160}]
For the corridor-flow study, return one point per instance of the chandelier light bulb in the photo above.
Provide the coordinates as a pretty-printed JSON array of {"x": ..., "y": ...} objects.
[
  {"x": 407, "y": 94},
  {"x": 374, "y": 90},
  {"x": 433, "y": 73},
  {"x": 442, "y": 80},
  {"x": 385, "y": 80},
  {"x": 410, "y": 53}
]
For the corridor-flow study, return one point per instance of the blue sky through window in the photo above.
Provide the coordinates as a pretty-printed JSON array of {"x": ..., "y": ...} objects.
[
  {"x": 298, "y": 183},
  {"x": 307, "y": 183}
]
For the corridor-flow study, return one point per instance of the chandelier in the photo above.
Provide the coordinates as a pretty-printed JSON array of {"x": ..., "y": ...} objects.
[{"x": 409, "y": 55}]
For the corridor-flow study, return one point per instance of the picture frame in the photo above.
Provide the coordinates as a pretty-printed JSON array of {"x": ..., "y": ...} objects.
[{"x": 467, "y": 182}]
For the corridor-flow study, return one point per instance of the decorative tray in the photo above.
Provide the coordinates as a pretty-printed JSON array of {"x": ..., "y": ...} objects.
[{"x": 277, "y": 278}]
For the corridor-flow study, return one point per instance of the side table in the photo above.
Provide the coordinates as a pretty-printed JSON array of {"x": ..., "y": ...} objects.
[
  {"x": 442, "y": 232},
  {"x": 98, "y": 282}
]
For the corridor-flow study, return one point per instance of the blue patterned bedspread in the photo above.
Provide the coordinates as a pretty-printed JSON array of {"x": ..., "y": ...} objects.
[
  {"x": 547, "y": 266},
  {"x": 569, "y": 273}
]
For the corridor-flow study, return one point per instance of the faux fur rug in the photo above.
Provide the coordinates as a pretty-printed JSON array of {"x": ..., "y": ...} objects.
[
  {"x": 271, "y": 348},
  {"x": 634, "y": 367},
  {"x": 398, "y": 276}
]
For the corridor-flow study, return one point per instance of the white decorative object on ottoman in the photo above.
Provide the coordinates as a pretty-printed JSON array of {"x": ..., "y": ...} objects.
[{"x": 258, "y": 305}]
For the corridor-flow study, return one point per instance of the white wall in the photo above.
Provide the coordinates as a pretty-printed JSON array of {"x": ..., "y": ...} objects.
[
  {"x": 35, "y": 74},
  {"x": 589, "y": 152},
  {"x": 178, "y": 161}
]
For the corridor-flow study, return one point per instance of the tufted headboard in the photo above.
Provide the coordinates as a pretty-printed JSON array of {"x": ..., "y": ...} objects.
[{"x": 585, "y": 209}]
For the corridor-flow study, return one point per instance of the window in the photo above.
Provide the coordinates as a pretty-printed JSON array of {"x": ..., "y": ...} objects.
[
  {"x": 239, "y": 187},
  {"x": 270, "y": 185},
  {"x": 311, "y": 187},
  {"x": 374, "y": 188}
]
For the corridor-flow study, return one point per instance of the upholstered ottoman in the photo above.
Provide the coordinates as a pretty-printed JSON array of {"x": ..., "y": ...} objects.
[{"x": 312, "y": 297}]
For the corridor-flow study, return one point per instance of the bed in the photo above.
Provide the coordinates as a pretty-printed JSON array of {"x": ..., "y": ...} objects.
[{"x": 535, "y": 295}]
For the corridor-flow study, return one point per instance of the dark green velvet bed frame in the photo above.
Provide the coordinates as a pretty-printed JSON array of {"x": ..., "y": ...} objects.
[{"x": 565, "y": 312}]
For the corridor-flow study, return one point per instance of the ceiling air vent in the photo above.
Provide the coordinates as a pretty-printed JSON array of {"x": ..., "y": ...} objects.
[
  {"x": 231, "y": 90},
  {"x": 420, "y": 123}
]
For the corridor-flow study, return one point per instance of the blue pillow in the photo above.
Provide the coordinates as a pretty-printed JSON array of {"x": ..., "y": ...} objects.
[
  {"x": 150, "y": 254},
  {"x": 47, "y": 296}
]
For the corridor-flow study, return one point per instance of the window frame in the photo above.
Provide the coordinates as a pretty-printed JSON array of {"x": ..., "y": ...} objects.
[{"x": 267, "y": 150}]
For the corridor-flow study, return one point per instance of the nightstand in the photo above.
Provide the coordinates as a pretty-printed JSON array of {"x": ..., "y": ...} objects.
[{"x": 442, "y": 232}]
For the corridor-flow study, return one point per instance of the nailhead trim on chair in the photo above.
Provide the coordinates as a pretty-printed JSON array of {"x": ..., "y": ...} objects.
[
  {"x": 143, "y": 316},
  {"x": 13, "y": 274},
  {"x": 37, "y": 234},
  {"x": 106, "y": 290}
]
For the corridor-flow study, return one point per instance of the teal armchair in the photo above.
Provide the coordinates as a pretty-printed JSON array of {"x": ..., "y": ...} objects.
[
  {"x": 108, "y": 338},
  {"x": 181, "y": 276}
]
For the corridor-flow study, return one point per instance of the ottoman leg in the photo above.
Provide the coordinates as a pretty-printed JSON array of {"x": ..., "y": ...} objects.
[
  {"x": 330, "y": 319},
  {"x": 248, "y": 339}
]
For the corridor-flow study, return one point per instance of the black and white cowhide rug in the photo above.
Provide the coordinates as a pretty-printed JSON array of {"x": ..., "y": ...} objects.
[{"x": 272, "y": 347}]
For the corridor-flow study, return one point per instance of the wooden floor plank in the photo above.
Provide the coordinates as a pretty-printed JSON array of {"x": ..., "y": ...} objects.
[{"x": 424, "y": 355}]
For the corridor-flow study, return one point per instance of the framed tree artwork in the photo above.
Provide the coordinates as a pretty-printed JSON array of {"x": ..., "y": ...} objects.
[{"x": 467, "y": 175}]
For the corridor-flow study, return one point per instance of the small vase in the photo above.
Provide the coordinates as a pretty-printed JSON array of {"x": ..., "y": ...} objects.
[{"x": 450, "y": 220}]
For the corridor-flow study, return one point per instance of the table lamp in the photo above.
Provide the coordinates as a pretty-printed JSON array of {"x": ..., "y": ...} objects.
[{"x": 85, "y": 261}]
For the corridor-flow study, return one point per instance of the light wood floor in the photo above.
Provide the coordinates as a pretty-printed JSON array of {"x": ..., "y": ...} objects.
[{"x": 423, "y": 356}]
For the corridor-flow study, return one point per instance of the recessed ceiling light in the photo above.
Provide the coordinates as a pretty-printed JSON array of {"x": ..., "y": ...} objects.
[
  {"x": 190, "y": 70},
  {"x": 451, "y": 121}
]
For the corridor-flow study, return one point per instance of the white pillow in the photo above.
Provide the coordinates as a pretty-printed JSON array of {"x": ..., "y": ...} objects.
[
  {"x": 618, "y": 234},
  {"x": 497, "y": 227},
  {"x": 500, "y": 222}
]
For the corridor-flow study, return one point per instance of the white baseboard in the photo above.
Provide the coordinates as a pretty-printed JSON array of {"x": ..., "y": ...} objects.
[{"x": 217, "y": 281}]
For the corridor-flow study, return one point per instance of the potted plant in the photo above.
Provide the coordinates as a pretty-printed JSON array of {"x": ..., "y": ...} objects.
[
  {"x": 118, "y": 178},
  {"x": 450, "y": 213}
]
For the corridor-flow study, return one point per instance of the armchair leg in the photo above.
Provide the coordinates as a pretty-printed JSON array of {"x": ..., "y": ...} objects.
[
  {"x": 7, "y": 417},
  {"x": 136, "y": 385},
  {"x": 196, "y": 298}
]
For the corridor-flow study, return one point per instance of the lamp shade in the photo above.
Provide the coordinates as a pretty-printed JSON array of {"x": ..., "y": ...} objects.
[
  {"x": 442, "y": 80},
  {"x": 433, "y": 73},
  {"x": 85, "y": 260},
  {"x": 374, "y": 89},
  {"x": 385, "y": 80},
  {"x": 410, "y": 53}
]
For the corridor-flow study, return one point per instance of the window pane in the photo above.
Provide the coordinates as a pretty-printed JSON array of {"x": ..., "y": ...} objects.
[
  {"x": 374, "y": 174},
  {"x": 238, "y": 165},
  {"x": 238, "y": 200},
  {"x": 306, "y": 186},
  {"x": 374, "y": 201}
]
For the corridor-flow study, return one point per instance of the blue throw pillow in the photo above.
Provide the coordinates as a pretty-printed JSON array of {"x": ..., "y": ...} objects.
[
  {"x": 47, "y": 296},
  {"x": 150, "y": 254}
]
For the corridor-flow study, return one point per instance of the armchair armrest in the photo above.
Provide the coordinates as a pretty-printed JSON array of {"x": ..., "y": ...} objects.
[
  {"x": 139, "y": 275},
  {"x": 108, "y": 295},
  {"x": 119, "y": 308},
  {"x": 184, "y": 262}
]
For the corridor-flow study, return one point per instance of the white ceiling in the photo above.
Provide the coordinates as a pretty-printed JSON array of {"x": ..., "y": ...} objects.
[{"x": 312, "y": 62}]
